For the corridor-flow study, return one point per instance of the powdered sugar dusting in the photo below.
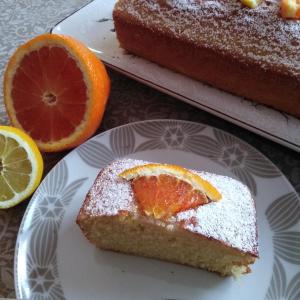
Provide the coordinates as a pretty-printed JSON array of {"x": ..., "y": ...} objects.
[
  {"x": 232, "y": 220},
  {"x": 110, "y": 193},
  {"x": 258, "y": 36}
]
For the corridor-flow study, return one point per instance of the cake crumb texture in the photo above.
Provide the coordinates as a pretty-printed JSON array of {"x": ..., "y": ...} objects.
[{"x": 232, "y": 220}]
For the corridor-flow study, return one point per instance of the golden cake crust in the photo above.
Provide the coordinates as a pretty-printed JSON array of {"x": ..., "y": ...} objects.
[{"x": 249, "y": 52}]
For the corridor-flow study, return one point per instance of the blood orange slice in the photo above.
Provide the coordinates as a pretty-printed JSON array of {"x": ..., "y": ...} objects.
[
  {"x": 163, "y": 190},
  {"x": 55, "y": 89}
]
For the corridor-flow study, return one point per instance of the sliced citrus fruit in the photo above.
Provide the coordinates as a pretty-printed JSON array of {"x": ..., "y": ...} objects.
[
  {"x": 251, "y": 3},
  {"x": 163, "y": 190},
  {"x": 21, "y": 166},
  {"x": 290, "y": 9},
  {"x": 55, "y": 89}
]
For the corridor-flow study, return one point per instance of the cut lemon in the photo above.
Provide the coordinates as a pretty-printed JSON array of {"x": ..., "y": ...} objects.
[
  {"x": 21, "y": 166},
  {"x": 251, "y": 3},
  {"x": 163, "y": 190}
]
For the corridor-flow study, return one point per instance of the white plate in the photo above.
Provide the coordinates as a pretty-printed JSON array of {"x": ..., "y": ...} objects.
[
  {"x": 93, "y": 25},
  {"x": 53, "y": 259}
]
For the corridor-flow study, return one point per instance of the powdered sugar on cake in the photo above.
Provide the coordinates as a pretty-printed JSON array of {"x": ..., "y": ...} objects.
[
  {"x": 227, "y": 27},
  {"x": 232, "y": 220},
  {"x": 110, "y": 193}
]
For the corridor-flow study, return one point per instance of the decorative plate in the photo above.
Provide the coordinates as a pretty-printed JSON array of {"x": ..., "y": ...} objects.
[
  {"x": 93, "y": 25},
  {"x": 53, "y": 260}
]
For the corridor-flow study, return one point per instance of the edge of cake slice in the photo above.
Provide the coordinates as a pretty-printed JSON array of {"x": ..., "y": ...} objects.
[{"x": 219, "y": 236}]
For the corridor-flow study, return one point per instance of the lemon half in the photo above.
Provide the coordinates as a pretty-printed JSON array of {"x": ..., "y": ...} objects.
[{"x": 21, "y": 166}]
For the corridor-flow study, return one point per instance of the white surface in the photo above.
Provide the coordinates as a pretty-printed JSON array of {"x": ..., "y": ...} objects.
[{"x": 85, "y": 26}]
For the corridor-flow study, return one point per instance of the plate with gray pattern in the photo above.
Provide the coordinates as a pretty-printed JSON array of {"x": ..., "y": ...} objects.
[{"x": 54, "y": 261}]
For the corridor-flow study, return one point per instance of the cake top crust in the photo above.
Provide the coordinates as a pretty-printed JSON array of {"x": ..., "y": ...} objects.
[
  {"x": 232, "y": 220},
  {"x": 259, "y": 36}
]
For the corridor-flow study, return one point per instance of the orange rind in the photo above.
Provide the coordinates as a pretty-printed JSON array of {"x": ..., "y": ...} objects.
[
  {"x": 163, "y": 190},
  {"x": 290, "y": 9},
  {"x": 55, "y": 89}
]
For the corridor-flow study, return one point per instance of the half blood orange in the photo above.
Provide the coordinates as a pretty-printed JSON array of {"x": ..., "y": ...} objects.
[
  {"x": 55, "y": 89},
  {"x": 163, "y": 190}
]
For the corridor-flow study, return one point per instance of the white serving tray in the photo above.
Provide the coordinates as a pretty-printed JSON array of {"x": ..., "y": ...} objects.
[{"x": 93, "y": 25}]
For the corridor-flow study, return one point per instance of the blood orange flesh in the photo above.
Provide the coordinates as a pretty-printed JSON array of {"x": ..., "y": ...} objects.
[
  {"x": 49, "y": 91},
  {"x": 164, "y": 195},
  {"x": 56, "y": 90}
]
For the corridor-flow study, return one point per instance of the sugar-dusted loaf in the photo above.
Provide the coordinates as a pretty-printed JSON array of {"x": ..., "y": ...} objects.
[
  {"x": 219, "y": 236},
  {"x": 253, "y": 53}
]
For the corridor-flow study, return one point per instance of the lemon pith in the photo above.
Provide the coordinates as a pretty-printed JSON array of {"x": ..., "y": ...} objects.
[{"x": 21, "y": 166}]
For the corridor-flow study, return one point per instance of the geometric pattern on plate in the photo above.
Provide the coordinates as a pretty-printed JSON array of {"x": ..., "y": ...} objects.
[
  {"x": 240, "y": 158},
  {"x": 55, "y": 193}
]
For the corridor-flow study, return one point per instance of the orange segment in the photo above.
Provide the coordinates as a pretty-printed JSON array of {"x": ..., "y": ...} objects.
[
  {"x": 163, "y": 190},
  {"x": 56, "y": 89},
  {"x": 164, "y": 195},
  {"x": 290, "y": 9}
]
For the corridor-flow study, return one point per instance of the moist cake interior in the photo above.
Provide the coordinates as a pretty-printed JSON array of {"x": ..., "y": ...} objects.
[{"x": 219, "y": 237}]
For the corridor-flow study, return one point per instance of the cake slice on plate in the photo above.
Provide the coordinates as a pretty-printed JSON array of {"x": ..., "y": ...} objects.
[{"x": 167, "y": 212}]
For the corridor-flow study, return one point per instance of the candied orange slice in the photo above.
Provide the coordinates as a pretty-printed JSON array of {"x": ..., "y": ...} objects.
[
  {"x": 163, "y": 190},
  {"x": 290, "y": 9}
]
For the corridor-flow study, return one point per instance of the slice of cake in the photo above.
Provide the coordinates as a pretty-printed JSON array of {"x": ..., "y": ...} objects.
[{"x": 194, "y": 218}]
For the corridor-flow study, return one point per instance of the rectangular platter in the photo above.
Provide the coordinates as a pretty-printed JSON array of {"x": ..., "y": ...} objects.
[{"x": 93, "y": 25}]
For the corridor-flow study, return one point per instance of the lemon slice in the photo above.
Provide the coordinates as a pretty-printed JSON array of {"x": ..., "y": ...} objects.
[
  {"x": 251, "y": 3},
  {"x": 197, "y": 182},
  {"x": 21, "y": 166}
]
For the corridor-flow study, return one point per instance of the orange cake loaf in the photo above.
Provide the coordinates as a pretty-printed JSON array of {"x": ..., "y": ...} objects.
[
  {"x": 218, "y": 235},
  {"x": 252, "y": 53}
]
